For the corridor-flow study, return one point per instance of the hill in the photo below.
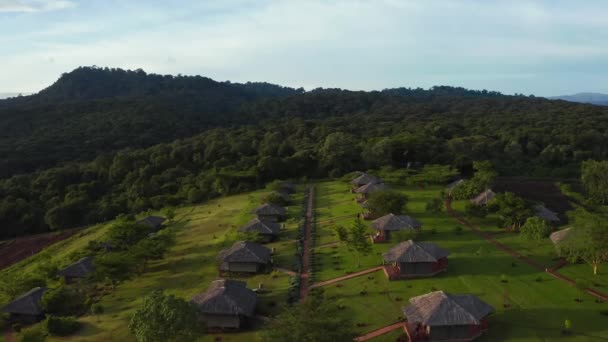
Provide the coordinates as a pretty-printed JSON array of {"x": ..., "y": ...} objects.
[
  {"x": 592, "y": 98},
  {"x": 103, "y": 154},
  {"x": 92, "y": 110}
]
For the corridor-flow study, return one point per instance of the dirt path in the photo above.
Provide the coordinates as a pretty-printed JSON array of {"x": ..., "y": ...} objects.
[
  {"x": 348, "y": 276},
  {"x": 329, "y": 244},
  {"x": 488, "y": 237},
  {"x": 305, "y": 273},
  {"x": 381, "y": 331},
  {"x": 8, "y": 335},
  {"x": 286, "y": 271}
]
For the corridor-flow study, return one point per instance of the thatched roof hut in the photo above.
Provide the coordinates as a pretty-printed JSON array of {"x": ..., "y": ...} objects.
[
  {"x": 559, "y": 236},
  {"x": 412, "y": 252},
  {"x": 79, "y": 269},
  {"x": 246, "y": 257},
  {"x": 370, "y": 188},
  {"x": 484, "y": 198},
  {"x": 270, "y": 212},
  {"x": 365, "y": 178},
  {"x": 262, "y": 227},
  {"x": 226, "y": 303},
  {"x": 396, "y": 222},
  {"x": 455, "y": 183},
  {"x": 26, "y": 308},
  {"x": 444, "y": 316},
  {"x": 546, "y": 214},
  {"x": 440, "y": 308},
  {"x": 154, "y": 222}
]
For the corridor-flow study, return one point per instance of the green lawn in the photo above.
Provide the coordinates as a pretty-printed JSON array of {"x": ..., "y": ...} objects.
[
  {"x": 202, "y": 231},
  {"x": 538, "y": 307}
]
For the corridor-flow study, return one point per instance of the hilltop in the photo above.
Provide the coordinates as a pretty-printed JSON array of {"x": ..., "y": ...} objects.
[{"x": 592, "y": 98}]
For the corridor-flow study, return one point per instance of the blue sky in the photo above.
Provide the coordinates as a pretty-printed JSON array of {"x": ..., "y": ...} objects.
[{"x": 548, "y": 47}]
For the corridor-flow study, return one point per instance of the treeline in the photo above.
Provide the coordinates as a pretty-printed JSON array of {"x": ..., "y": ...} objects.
[
  {"x": 324, "y": 132},
  {"x": 93, "y": 110}
]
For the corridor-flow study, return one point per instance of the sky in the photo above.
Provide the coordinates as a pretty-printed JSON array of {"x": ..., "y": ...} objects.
[{"x": 551, "y": 47}]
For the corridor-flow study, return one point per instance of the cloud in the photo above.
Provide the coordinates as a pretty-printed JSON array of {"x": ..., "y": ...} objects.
[
  {"x": 511, "y": 46},
  {"x": 25, "y": 6}
]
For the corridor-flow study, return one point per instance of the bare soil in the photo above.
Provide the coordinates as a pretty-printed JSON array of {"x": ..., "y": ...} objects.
[{"x": 13, "y": 251}]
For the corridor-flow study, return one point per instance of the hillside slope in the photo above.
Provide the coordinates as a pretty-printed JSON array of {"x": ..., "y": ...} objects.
[{"x": 91, "y": 110}]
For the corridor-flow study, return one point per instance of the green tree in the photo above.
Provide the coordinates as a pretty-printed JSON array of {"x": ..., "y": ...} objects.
[
  {"x": 358, "y": 240},
  {"x": 434, "y": 174},
  {"x": 315, "y": 319},
  {"x": 163, "y": 317},
  {"x": 513, "y": 210},
  {"x": 386, "y": 202},
  {"x": 588, "y": 241},
  {"x": 63, "y": 301},
  {"x": 434, "y": 206},
  {"x": 339, "y": 153},
  {"x": 535, "y": 228},
  {"x": 169, "y": 213},
  {"x": 594, "y": 176},
  {"x": 125, "y": 234},
  {"x": 114, "y": 266}
]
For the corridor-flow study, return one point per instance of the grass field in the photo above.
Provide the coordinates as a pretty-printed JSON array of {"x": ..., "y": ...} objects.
[
  {"x": 201, "y": 232},
  {"x": 538, "y": 304}
]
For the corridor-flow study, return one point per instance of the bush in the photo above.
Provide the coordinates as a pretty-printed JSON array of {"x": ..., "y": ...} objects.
[
  {"x": 34, "y": 334},
  {"x": 434, "y": 206},
  {"x": 63, "y": 301},
  {"x": 16, "y": 327},
  {"x": 61, "y": 326},
  {"x": 458, "y": 230},
  {"x": 472, "y": 210}
]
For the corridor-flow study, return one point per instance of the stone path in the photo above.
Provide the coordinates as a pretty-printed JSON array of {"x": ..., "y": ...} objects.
[
  {"x": 378, "y": 332},
  {"x": 348, "y": 276}
]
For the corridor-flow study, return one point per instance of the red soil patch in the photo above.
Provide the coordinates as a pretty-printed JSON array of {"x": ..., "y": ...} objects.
[{"x": 13, "y": 251}]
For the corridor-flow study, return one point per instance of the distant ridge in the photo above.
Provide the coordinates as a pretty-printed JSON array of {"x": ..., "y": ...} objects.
[
  {"x": 7, "y": 95},
  {"x": 592, "y": 98}
]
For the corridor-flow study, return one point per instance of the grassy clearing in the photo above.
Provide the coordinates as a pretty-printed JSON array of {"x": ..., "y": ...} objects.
[
  {"x": 537, "y": 304},
  {"x": 201, "y": 232}
]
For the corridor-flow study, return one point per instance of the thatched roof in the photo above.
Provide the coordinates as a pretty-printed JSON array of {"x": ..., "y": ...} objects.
[
  {"x": 227, "y": 297},
  {"x": 455, "y": 183},
  {"x": 484, "y": 197},
  {"x": 395, "y": 222},
  {"x": 439, "y": 308},
  {"x": 269, "y": 209},
  {"x": 365, "y": 178},
  {"x": 154, "y": 222},
  {"x": 371, "y": 187},
  {"x": 246, "y": 251},
  {"x": 546, "y": 214},
  {"x": 262, "y": 227},
  {"x": 288, "y": 187},
  {"x": 560, "y": 235},
  {"x": 80, "y": 269},
  {"x": 26, "y": 304},
  {"x": 410, "y": 251}
]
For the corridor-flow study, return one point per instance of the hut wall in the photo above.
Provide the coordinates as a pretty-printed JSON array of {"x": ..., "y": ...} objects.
[
  {"x": 451, "y": 332},
  {"x": 417, "y": 268},
  {"x": 222, "y": 321},
  {"x": 271, "y": 218},
  {"x": 248, "y": 267}
]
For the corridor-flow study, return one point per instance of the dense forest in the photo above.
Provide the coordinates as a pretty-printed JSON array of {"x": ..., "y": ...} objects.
[{"x": 101, "y": 142}]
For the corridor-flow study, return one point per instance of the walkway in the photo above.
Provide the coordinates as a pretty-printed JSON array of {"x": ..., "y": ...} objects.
[
  {"x": 286, "y": 271},
  {"x": 8, "y": 335},
  {"x": 515, "y": 254},
  {"x": 381, "y": 331},
  {"x": 305, "y": 272},
  {"x": 348, "y": 276}
]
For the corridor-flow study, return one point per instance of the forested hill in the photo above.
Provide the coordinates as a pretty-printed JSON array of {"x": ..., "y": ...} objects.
[
  {"x": 93, "y": 110},
  {"x": 233, "y": 137}
]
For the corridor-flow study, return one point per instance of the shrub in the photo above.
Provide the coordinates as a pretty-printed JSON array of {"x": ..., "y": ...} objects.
[
  {"x": 63, "y": 301},
  {"x": 503, "y": 278},
  {"x": 457, "y": 230},
  {"x": 472, "y": 210},
  {"x": 434, "y": 206},
  {"x": 34, "y": 334},
  {"x": 61, "y": 326},
  {"x": 16, "y": 327}
]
